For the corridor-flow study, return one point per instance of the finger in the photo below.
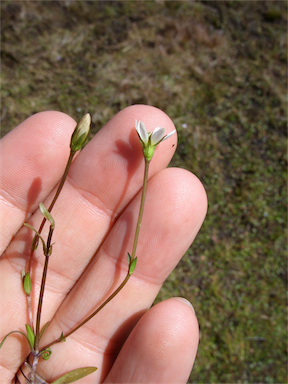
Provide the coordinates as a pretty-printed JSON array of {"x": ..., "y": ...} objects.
[
  {"x": 170, "y": 222},
  {"x": 26, "y": 174},
  {"x": 161, "y": 348},
  {"x": 26, "y": 179}
]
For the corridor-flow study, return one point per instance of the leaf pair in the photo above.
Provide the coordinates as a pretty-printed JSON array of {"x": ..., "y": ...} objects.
[{"x": 29, "y": 336}]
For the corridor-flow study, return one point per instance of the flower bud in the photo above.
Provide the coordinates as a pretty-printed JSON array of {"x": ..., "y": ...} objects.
[
  {"x": 27, "y": 283},
  {"x": 80, "y": 133}
]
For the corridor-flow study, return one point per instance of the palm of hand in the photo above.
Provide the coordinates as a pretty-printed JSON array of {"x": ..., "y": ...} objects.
[{"x": 95, "y": 217}]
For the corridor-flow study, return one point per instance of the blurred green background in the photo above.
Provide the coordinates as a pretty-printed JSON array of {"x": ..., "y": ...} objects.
[{"x": 219, "y": 70}]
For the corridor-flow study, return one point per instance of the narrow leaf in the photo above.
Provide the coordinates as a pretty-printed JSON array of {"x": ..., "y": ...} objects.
[
  {"x": 129, "y": 259},
  {"x": 8, "y": 334},
  {"x": 74, "y": 375},
  {"x": 38, "y": 235},
  {"x": 43, "y": 329},
  {"x": 47, "y": 215},
  {"x": 50, "y": 250},
  {"x": 30, "y": 336},
  {"x": 132, "y": 266},
  {"x": 31, "y": 227},
  {"x": 35, "y": 243},
  {"x": 61, "y": 338}
]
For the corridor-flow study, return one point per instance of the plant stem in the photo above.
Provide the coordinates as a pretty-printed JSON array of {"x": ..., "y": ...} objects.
[
  {"x": 29, "y": 304},
  {"x": 30, "y": 313},
  {"x": 62, "y": 337},
  {"x": 52, "y": 204},
  {"x": 91, "y": 316},
  {"x": 41, "y": 294},
  {"x": 141, "y": 210}
]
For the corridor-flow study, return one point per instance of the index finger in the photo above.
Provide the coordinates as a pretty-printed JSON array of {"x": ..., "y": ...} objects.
[{"x": 26, "y": 174}]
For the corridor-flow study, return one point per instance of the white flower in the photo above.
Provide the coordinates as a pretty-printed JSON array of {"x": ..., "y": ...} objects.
[{"x": 150, "y": 140}]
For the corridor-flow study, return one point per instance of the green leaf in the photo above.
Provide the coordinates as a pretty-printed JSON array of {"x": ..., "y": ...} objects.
[
  {"x": 35, "y": 243},
  {"x": 30, "y": 336},
  {"x": 50, "y": 250},
  {"x": 61, "y": 338},
  {"x": 132, "y": 266},
  {"x": 129, "y": 259},
  {"x": 39, "y": 237},
  {"x": 46, "y": 354},
  {"x": 8, "y": 334},
  {"x": 74, "y": 375},
  {"x": 43, "y": 329},
  {"x": 27, "y": 284},
  {"x": 47, "y": 215}
]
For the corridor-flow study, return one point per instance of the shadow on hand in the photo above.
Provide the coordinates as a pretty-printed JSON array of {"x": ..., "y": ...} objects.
[
  {"x": 132, "y": 153},
  {"x": 117, "y": 341}
]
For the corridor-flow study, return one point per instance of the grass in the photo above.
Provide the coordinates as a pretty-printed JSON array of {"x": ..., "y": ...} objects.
[{"x": 218, "y": 69}]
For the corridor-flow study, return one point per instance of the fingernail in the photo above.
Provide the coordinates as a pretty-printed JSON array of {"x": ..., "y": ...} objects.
[{"x": 185, "y": 301}]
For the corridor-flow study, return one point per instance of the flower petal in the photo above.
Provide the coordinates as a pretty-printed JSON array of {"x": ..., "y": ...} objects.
[
  {"x": 169, "y": 135},
  {"x": 141, "y": 130},
  {"x": 157, "y": 135},
  {"x": 157, "y": 129}
]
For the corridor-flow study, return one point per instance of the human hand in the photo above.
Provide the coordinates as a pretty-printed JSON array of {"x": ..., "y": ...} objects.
[{"x": 95, "y": 218}]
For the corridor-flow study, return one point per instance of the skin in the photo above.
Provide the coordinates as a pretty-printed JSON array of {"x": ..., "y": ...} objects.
[{"x": 95, "y": 218}]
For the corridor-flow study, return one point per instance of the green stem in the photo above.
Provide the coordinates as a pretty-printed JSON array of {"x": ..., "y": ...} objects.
[
  {"x": 124, "y": 282},
  {"x": 63, "y": 337},
  {"x": 59, "y": 187},
  {"x": 141, "y": 210},
  {"x": 30, "y": 313}
]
